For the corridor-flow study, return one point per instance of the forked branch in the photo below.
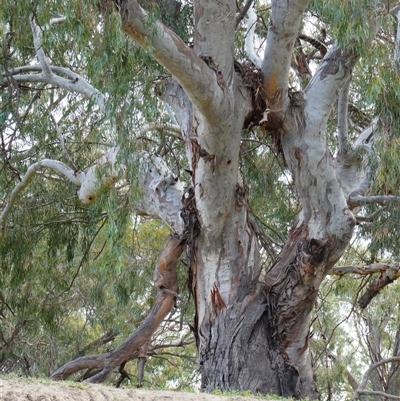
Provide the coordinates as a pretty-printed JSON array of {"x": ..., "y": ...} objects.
[
  {"x": 361, "y": 388},
  {"x": 162, "y": 189},
  {"x": 58, "y": 76},
  {"x": 165, "y": 280},
  {"x": 196, "y": 78},
  {"x": 388, "y": 274}
]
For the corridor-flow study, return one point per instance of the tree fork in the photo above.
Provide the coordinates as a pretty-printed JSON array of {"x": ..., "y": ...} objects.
[{"x": 258, "y": 343}]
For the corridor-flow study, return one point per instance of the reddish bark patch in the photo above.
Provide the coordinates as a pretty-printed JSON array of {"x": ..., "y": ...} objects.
[{"x": 217, "y": 302}]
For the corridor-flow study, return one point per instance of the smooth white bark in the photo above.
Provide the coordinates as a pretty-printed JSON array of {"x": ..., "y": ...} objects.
[
  {"x": 74, "y": 177},
  {"x": 162, "y": 191},
  {"x": 282, "y": 33},
  {"x": 198, "y": 80},
  {"x": 58, "y": 76},
  {"x": 343, "y": 103},
  {"x": 249, "y": 40},
  {"x": 73, "y": 83},
  {"x": 100, "y": 176}
]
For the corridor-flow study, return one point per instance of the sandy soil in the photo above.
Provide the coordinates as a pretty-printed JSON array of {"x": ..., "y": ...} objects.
[{"x": 38, "y": 390}]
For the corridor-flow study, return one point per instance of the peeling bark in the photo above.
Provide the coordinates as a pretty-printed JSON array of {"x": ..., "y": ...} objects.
[{"x": 252, "y": 331}]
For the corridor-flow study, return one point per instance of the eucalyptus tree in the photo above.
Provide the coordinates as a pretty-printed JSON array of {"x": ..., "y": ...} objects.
[{"x": 226, "y": 79}]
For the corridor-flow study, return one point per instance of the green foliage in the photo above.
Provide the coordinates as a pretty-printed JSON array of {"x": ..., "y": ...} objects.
[{"x": 71, "y": 273}]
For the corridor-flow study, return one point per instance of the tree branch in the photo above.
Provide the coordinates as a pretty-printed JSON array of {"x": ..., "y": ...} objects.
[
  {"x": 375, "y": 286},
  {"x": 75, "y": 83},
  {"x": 365, "y": 379},
  {"x": 282, "y": 33},
  {"x": 363, "y": 270},
  {"x": 332, "y": 74},
  {"x": 243, "y": 12},
  {"x": 388, "y": 274},
  {"x": 397, "y": 43},
  {"x": 49, "y": 74},
  {"x": 379, "y": 393},
  {"x": 164, "y": 191},
  {"x": 343, "y": 103},
  {"x": 359, "y": 200},
  {"x": 165, "y": 277},
  {"x": 37, "y": 42},
  {"x": 196, "y": 78},
  {"x": 74, "y": 177},
  {"x": 249, "y": 40}
]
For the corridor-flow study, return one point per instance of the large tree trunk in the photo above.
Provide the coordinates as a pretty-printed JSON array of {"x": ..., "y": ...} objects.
[
  {"x": 252, "y": 331},
  {"x": 259, "y": 338}
]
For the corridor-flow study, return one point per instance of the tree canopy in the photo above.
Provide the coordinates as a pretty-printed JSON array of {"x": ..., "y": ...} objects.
[{"x": 112, "y": 112}]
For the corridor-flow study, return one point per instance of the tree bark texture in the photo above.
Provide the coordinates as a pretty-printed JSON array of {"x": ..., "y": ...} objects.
[{"x": 253, "y": 330}]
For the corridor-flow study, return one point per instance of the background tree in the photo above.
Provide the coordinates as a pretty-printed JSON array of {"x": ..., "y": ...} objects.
[{"x": 275, "y": 154}]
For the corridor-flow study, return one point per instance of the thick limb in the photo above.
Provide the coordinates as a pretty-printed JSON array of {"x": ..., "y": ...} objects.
[{"x": 165, "y": 279}]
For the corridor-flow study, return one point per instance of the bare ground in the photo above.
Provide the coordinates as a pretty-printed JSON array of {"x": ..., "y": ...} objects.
[{"x": 42, "y": 390}]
